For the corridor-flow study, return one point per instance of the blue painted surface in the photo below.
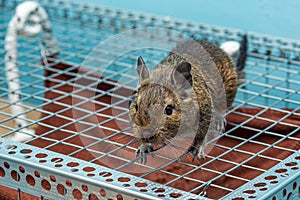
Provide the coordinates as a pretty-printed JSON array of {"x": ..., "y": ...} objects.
[
  {"x": 91, "y": 41},
  {"x": 273, "y": 17}
]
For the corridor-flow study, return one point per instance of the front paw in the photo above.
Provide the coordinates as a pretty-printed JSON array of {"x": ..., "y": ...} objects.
[
  {"x": 197, "y": 152},
  {"x": 143, "y": 151}
]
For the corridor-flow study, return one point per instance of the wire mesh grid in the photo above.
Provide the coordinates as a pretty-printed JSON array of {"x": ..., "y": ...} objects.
[{"x": 52, "y": 94}]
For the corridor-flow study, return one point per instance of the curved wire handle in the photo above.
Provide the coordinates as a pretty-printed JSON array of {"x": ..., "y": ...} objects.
[{"x": 30, "y": 19}]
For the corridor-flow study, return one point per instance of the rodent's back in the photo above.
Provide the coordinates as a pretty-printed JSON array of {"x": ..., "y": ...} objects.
[
  {"x": 210, "y": 54},
  {"x": 226, "y": 69}
]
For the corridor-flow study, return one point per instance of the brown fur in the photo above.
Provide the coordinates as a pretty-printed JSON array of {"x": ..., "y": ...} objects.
[{"x": 151, "y": 125}]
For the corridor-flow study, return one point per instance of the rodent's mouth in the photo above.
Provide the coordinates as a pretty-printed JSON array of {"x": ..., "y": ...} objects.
[{"x": 151, "y": 139}]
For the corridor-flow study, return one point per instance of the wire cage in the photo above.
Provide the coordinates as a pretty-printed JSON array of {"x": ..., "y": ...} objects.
[{"x": 257, "y": 157}]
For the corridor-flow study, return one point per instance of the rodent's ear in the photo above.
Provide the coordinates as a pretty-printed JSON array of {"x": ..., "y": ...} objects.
[
  {"x": 182, "y": 79},
  {"x": 142, "y": 69}
]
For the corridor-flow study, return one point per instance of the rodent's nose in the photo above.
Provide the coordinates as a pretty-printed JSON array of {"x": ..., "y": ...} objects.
[
  {"x": 148, "y": 140},
  {"x": 147, "y": 134}
]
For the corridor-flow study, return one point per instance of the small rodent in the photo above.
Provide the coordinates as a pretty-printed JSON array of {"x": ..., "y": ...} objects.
[{"x": 168, "y": 95}]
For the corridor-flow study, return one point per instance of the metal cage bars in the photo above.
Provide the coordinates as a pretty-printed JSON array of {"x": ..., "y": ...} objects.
[{"x": 285, "y": 47}]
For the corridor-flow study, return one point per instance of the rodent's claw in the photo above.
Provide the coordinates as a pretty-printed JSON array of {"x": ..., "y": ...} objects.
[
  {"x": 194, "y": 152},
  {"x": 197, "y": 152},
  {"x": 142, "y": 152},
  {"x": 201, "y": 153}
]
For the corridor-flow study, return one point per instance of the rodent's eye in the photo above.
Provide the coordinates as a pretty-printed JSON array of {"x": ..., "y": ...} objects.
[
  {"x": 136, "y": 107},
  {"x": 169, "y": 110}
]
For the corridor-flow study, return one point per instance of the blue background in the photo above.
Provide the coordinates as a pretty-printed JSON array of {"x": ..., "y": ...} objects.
[{"x": 273, "y": 17}]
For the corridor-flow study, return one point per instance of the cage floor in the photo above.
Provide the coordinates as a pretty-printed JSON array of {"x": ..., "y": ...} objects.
[
  {"x": 263, "y": 125},
  {"x": 241, "y": 154}
]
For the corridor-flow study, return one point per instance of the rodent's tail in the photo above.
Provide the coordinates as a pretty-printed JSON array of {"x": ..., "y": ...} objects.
[
  {"x": 240, "y": 63},
  {"x": 238, "y": 52},
  {"x": 241, "y": 60}
]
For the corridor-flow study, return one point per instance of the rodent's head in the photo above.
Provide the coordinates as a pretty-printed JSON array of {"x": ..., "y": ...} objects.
[{"x": 156, "y": 107}]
